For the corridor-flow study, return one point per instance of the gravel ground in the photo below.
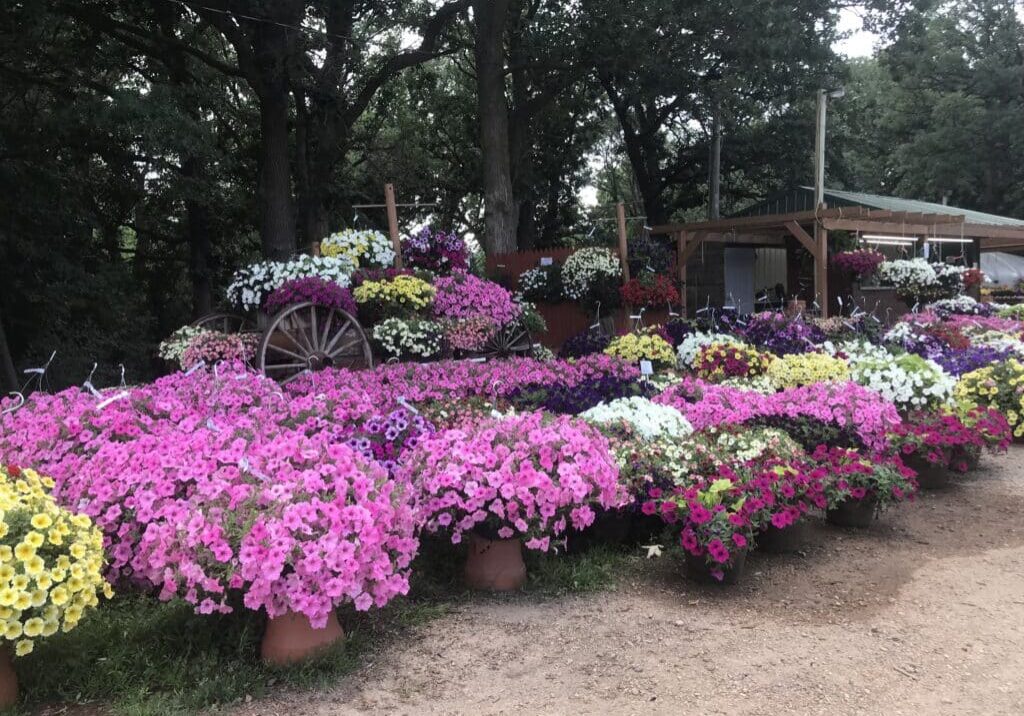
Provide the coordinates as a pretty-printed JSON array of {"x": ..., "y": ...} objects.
[{"x": 922, "y": 614}]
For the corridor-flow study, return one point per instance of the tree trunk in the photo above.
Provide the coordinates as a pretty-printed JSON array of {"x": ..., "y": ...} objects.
[
  {"x": 277, "y": 223},
  {"x": 501, "y": 213},
  {"x": 197, "y": 214},
  {"x": 8, "y": 377}
]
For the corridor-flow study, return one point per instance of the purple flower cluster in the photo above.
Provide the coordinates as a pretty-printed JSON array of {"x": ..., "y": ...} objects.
[
  {"x": 960, "y": 362},
  {"x": 560, "y": 398},
  {"x": 584, "y": 344},
  {"x": 780, "y": 335},
  {"x": 311, "y": 289},
  {"x": 383, "y": 438},
  {"x": 463, "y": 296},
  {"x": 438, "y": 251}
]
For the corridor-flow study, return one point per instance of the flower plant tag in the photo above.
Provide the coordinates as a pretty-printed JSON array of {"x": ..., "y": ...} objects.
[
  {"x": 547, "y": 261},
  {"x": 646, "y": 367}
]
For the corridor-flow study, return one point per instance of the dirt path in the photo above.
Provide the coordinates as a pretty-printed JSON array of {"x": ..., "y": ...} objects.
[{"x": 922, "y": 615}]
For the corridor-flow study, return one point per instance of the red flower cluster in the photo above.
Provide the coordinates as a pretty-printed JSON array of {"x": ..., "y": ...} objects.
[
  {"x": 972, "y": 277},
  {"x": 949, "y": 442},
  {"x": 650, "y": 290},
  {"x": 949, "y": 334}
]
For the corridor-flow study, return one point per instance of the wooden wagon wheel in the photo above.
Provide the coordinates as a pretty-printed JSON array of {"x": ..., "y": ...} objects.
[
  {"x": 224, "y": 322},
  {"x": 508, "y": 341},
  {"x": 306, "y": 337}
]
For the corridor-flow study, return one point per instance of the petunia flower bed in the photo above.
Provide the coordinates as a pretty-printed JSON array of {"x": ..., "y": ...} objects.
[{"x": 527, "y": 476}]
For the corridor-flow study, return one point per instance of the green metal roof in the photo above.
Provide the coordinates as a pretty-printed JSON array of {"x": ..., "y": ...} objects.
[{"x": 802, "y": 199}]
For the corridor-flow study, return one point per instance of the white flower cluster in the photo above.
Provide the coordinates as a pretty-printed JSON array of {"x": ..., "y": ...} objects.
[
  {"x": 900, "y": 332},
  {"x": 586, "y": 268},
  {"x": 909, "y": 381},
  {"x": 366, "y": 248},
  {"x": 691, "y": 345},
  {"x": 250, "y": 285},
  {"x": 961, "y": 304},
  {"x": 860, "y": 350},
  {"x": 648, "y": 419},
  {"x": 172, "y": 348},
  {"x": 913, "y": 276},
  {"x": 998, "y": 340},
  {"x": 416, "y": 338},
  {"x": 533, "y": 281}
]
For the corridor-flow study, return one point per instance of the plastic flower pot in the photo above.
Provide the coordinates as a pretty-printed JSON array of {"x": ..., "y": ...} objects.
[
  {"x": 970, "y": 458},
  {"x": 495, "y": 565},
  {"x": 610, "y": 527},
  {"x": 8, "y": 680},
  {"x": 785, "y": 540},
  {"x": 930, "y": 476},
  {"x": 646, "y": 528},
  {"x": 290, "y": 638},
  {"x": 698, "y": 570},
  {"x": 852, "y": 513}
]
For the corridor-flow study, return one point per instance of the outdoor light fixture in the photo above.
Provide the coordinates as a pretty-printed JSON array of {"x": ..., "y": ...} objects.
[
  {"x": 837, "y": 93},
  {"x": 947, "y": 240},
  {"x": 892, "y": 241}
]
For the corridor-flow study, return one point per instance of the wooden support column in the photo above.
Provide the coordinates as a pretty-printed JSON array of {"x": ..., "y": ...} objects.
[
  {"x": 821, "y": 268},
  {"x": 392, "y": 211},
  {"x": 620, "y": 211},
  {"x": 681, "y": 270}
]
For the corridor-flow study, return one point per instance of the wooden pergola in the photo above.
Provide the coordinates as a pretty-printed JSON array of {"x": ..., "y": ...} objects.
[{"x": 811, "y": 229}]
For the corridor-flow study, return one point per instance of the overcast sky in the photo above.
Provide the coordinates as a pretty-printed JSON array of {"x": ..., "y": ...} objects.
[{"x": 859, "y": 43}]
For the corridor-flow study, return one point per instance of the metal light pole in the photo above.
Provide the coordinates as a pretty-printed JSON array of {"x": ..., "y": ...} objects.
[
  {"x": 820, "y": 234},
  {"x": 819, "y": 142}
]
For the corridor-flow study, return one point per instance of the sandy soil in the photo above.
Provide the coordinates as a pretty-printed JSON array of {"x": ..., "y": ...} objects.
[{"x": 923, "y": 614}]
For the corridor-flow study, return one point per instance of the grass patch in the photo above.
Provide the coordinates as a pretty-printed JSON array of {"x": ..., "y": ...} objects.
[{"x": 140, "y": 657}]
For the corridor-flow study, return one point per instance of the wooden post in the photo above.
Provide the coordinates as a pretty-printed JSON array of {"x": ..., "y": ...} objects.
[
  {"x": 681, "y": 269},
  {"x": 821, "y": 268},
  {"x": 396, "y": 243},
  {"x": 620, "y": 210}
]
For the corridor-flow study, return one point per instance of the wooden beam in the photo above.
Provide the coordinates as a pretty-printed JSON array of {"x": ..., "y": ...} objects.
[
  {"x": 821, "y": 268},
  {"x": 881, "y": 227},
  {"x": 803, "y": 237},
  {"x": 988, "y": 231},
  {"x": 681, "y": 269},
  {"x": 693, "y": 242},
  {"x": 768, "y": 220}
]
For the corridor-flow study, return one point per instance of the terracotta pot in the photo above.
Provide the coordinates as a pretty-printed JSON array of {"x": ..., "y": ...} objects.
[
  {"x": 610, "y": 527},
  {"x": 853, "y": 513},
  {"x": 291, "y": 638},
  {"x": 697, "y": 569},
  {"x": 929, "y": 476},
  {"x": 8, "y": 680},
  {"x": 784, "y": 541},
  {"x": 495, "y": 565}
]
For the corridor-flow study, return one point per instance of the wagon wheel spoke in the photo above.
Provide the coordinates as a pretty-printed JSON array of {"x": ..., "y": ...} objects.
[
  {"x": 327, "y": 330},
  {"x": 313, "y": 332},
  {"x": 342, "y": 349},
  {"x": 337, "y": 336},
  {"x": 285, "y": 366},
  {"x": 285, "y": 351}
]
